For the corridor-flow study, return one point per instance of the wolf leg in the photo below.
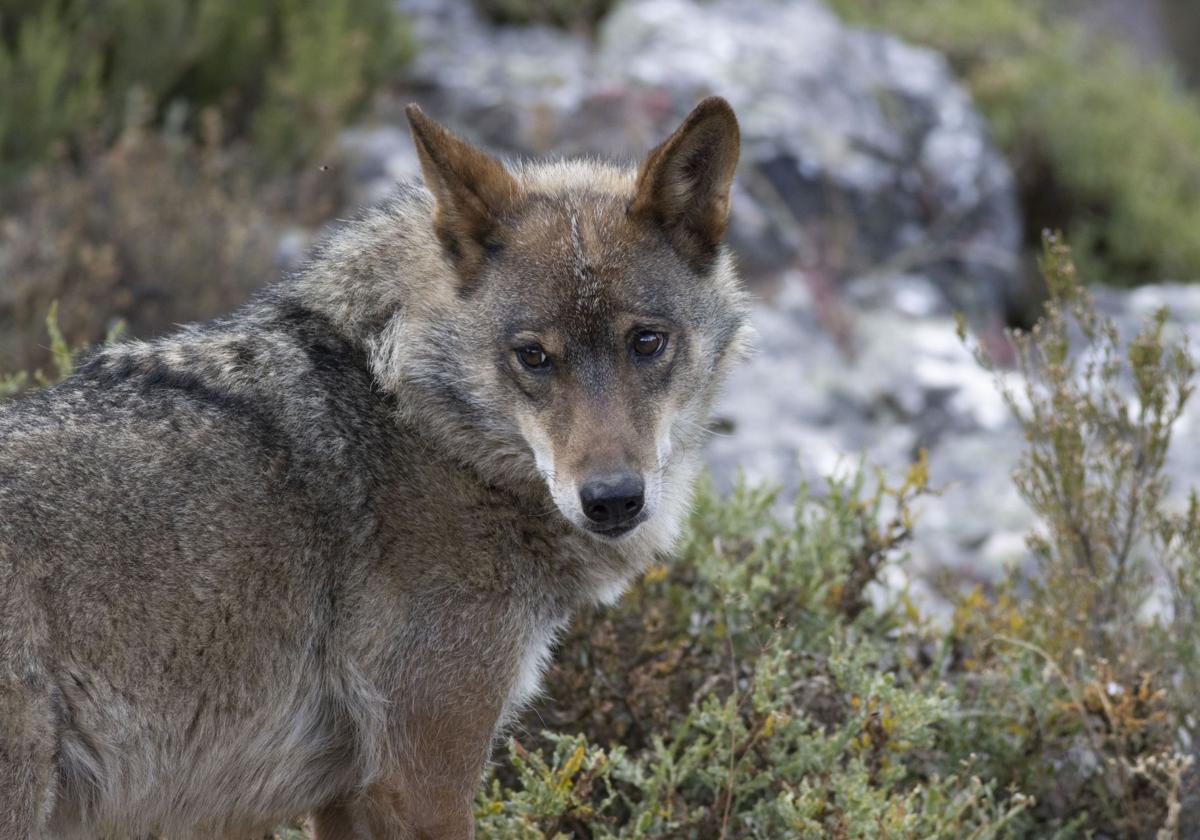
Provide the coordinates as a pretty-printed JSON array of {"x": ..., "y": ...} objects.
[
  {"x": 336, "y": 822},
  {"x": 388, "y": 813},
  {"x": 429, "y": 793},
  {"x": 407, "y": 809}
]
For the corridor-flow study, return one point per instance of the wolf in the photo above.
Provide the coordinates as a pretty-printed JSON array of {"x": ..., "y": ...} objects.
[{"x": 312, "y": 557}]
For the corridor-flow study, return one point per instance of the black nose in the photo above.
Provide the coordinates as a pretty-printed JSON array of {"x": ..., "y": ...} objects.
[{"x": 612, "y": 499}]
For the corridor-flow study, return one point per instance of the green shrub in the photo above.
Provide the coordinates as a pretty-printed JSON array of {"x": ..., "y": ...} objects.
[
  {"x": 332, "y": 56},
  {"x": 1104, "y": 146},
  {"x": 751, "y": 689},
  {"x": 62, "y": 357},
  {"x": 580, "y": 15},
  {"x": 1093, "y": 467},
  {"x": 48, "y": 91},
  {"x": 155, "y": 231},
  {"x": 1103, "y": 693},
  {"x": 68, "y": 66}
]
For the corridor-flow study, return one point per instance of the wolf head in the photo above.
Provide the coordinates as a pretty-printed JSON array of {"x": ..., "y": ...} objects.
[{"x": 581, "y": 320}]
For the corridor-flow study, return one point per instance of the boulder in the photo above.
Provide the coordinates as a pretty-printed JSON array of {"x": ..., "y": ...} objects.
[{"x": 860, "y": 152}]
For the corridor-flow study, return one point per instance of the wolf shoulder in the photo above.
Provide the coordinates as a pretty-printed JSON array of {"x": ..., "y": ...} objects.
[{"x": 266, "y": 414}]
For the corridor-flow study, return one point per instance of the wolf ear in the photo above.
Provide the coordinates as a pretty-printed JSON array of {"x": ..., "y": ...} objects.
[
  {"x": 472, "y": 191},
  {"x": 683, "y": 185}
]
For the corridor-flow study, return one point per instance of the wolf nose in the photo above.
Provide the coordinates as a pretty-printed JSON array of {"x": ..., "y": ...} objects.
[{"x": 612, "y": 499}]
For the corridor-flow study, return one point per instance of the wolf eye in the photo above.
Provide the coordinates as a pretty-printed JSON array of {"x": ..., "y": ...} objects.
[
  {"x": 533, "y": 357},
  {"x": 648, "y": 344}
]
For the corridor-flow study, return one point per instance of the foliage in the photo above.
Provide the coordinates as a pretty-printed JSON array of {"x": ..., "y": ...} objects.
[
  {"x": 284, "y": 71},
  {"x": 60, "y": 354},
  {"x": 754, "y": 688},
  {"x": 332, "y": 56},
  {"x": 1098, "y": 422},
  {"x": 149, "y": 150},
  {"x": 566, "y": 14},
  {"x": 1103, "y": 145},
  {"x": 1106, "y": 632},
  {"x": 62, "y": 357},
  {"x": 156, "y": 230}
]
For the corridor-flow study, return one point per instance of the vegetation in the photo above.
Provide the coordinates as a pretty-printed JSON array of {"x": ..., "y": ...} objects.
[
  {"x": 581, "y": 15},
  {"x": 287, "y": 73},
  {"x": 155, "y": 231},
  {"x": 751, "y": 689},
  {"x": 62, "y": 356},
  {"x": 150, "y": 151},
  {"x": 1103, "y": 145}
]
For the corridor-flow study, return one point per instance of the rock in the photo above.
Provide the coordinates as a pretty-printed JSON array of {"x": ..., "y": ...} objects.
[
  {"x": 899, "y": 380},
  {"x": 859, "y": 151},
  {"x": 380, "y": 157}
]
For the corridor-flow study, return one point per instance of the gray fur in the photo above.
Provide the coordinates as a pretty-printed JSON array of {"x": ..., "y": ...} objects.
[{"x": 308, "y": 558}]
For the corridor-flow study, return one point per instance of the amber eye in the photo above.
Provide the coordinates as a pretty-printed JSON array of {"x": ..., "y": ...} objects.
[
  {"x": 533, "y": 357},
  {"x": 648, "y": 344}
]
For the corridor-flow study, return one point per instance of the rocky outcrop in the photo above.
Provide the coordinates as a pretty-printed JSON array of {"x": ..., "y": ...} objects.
[{"x": 860, "y": 152}]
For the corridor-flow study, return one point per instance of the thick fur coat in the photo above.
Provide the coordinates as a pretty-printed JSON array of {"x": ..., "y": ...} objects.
[{"x": 310, "y": 557}]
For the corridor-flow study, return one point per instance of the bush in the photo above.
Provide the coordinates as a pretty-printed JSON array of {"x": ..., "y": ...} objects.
[
  {"x": 1103, "y": 146},
  {"x": 1106, "y": 613},
  {"x": 752, "y": 688},
  {"x": 150, "y": 148},
  {"x": 61, "y": 357},
  {"x": 67, "y": 67},
  {"x": 154, "y": 231},
  {"x": 566, "y": 14}
]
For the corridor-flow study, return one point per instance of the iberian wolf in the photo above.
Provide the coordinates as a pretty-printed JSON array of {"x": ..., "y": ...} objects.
[{"x": 310, "y": 557}]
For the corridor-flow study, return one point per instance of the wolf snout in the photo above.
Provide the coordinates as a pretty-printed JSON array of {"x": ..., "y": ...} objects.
[{"x": 611, "y": 500}]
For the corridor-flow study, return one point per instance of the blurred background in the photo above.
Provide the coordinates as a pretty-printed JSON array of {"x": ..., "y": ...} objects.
[{"x": 161, "y": 159}]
